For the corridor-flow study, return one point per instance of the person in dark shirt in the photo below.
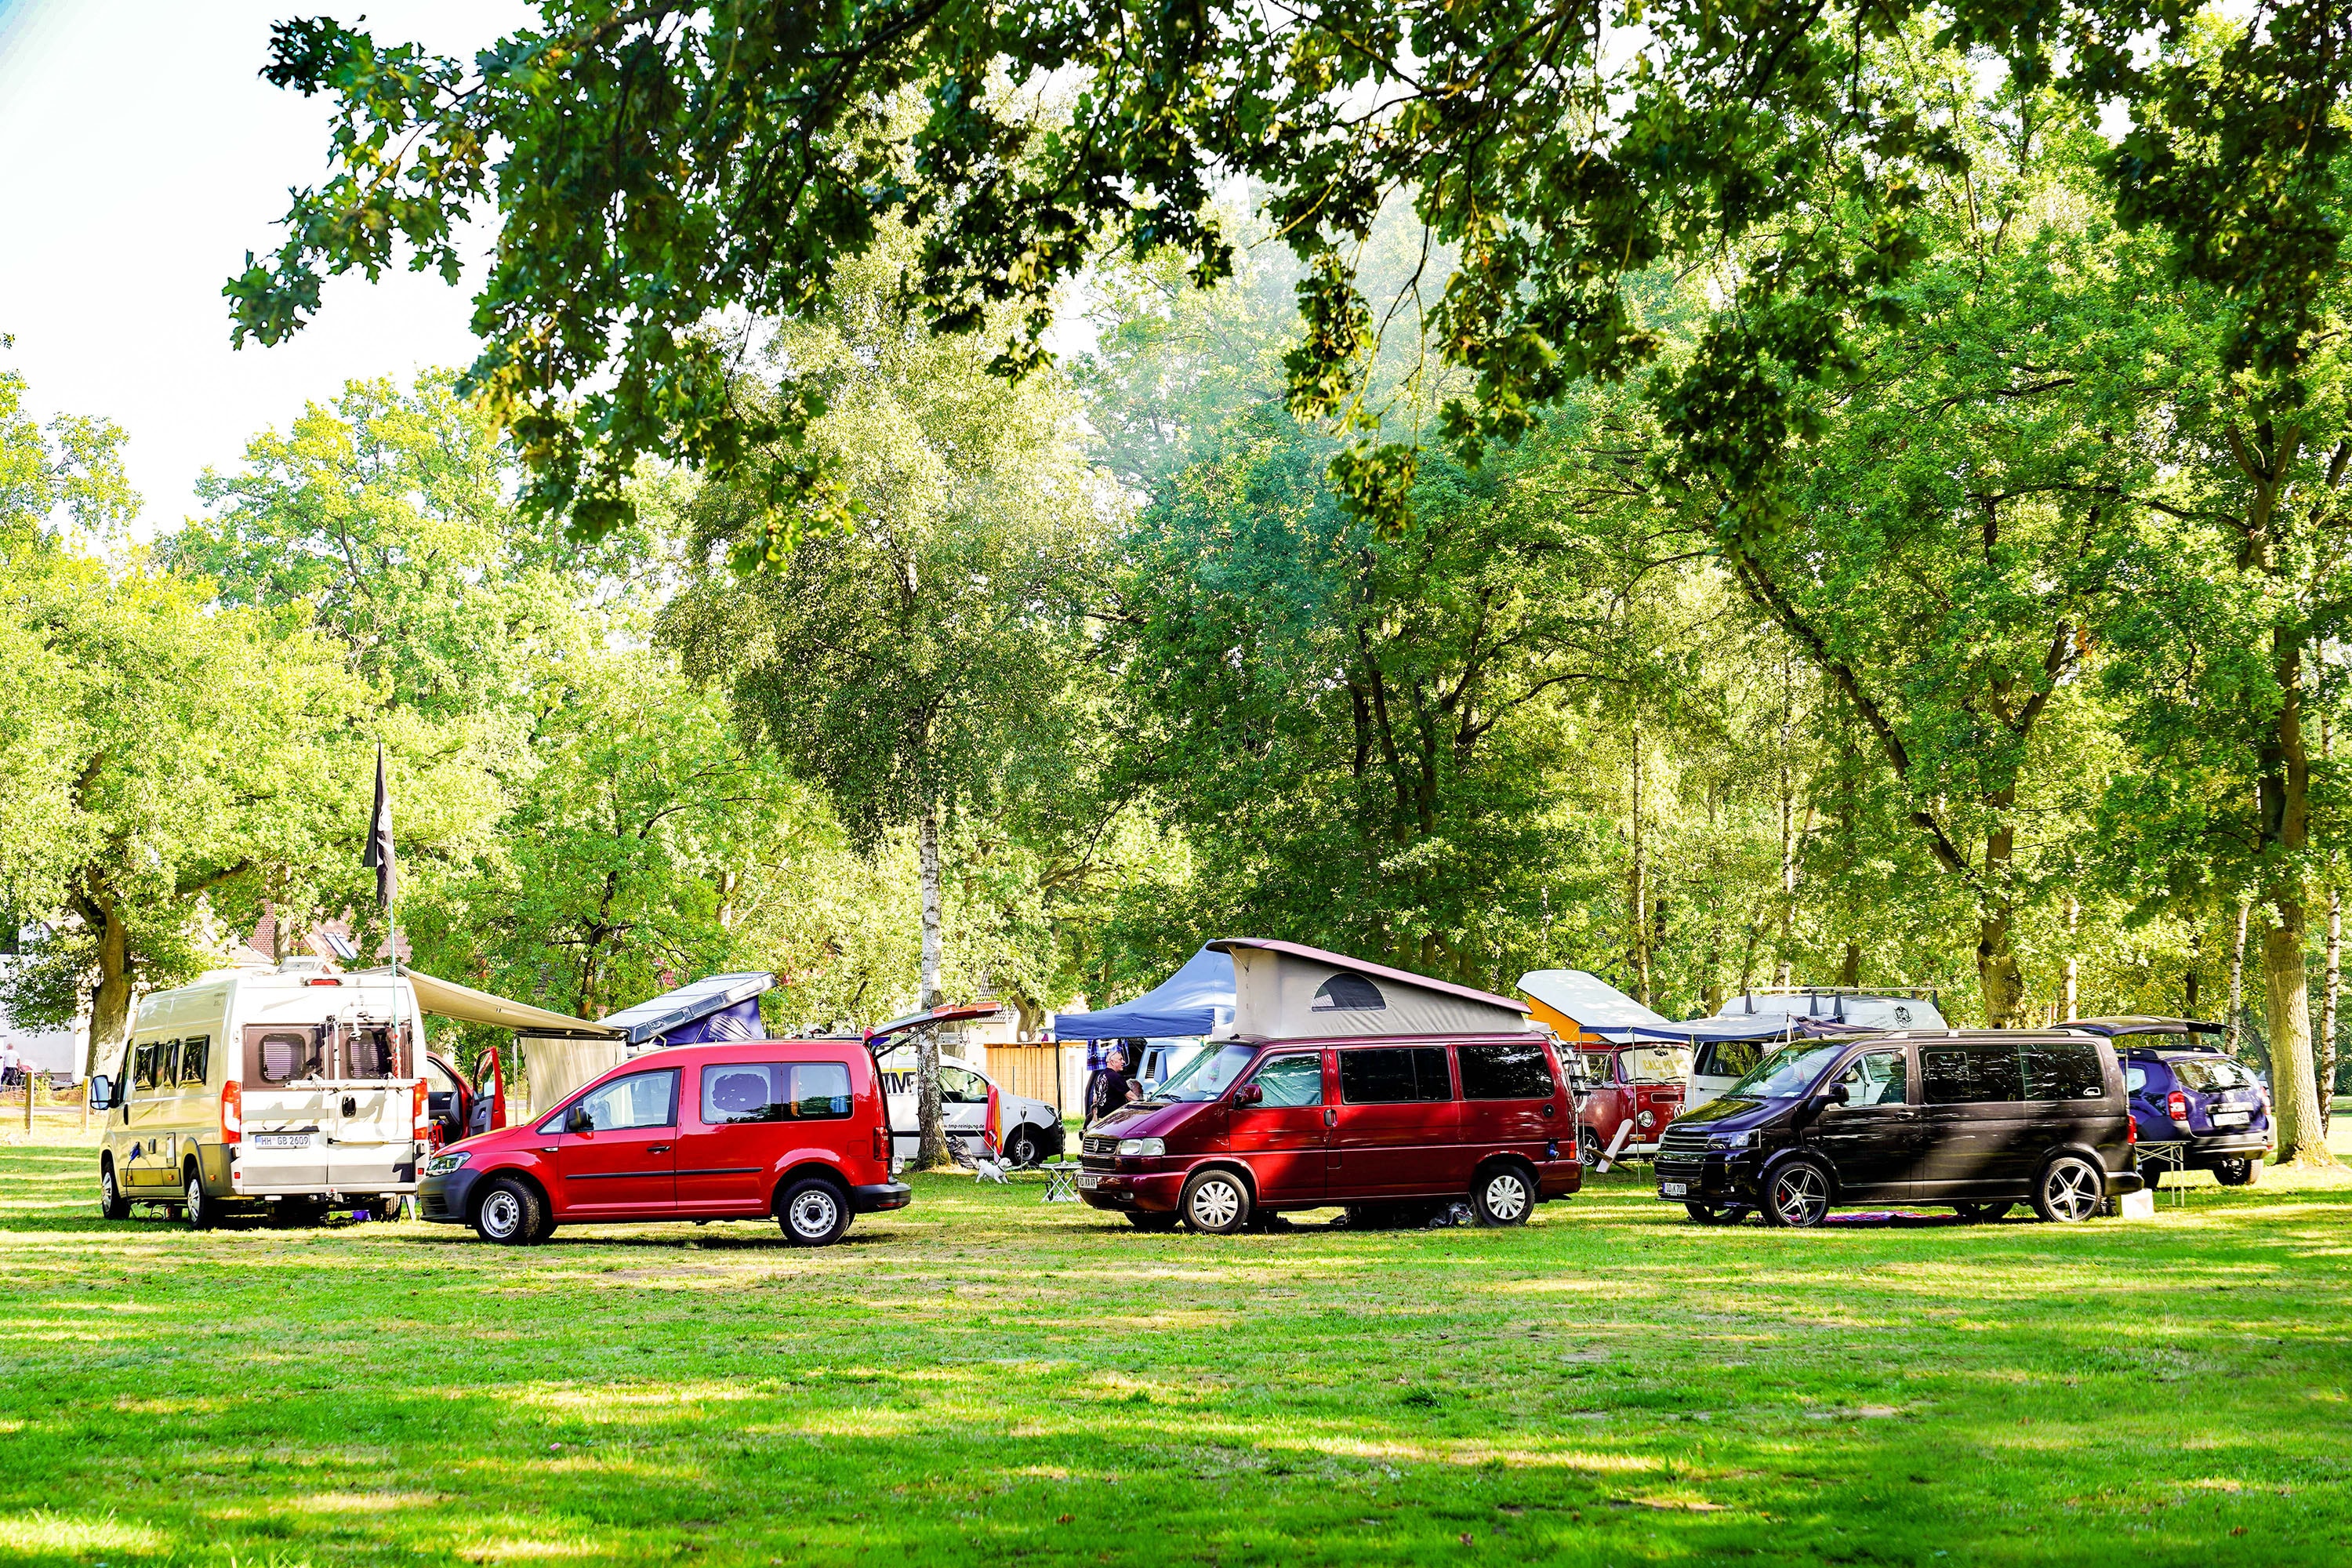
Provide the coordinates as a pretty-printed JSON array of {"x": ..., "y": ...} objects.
[{"x": 1110, "y": 1086}]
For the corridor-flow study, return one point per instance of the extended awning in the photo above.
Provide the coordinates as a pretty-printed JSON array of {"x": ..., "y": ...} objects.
[{"x": 447, "y": 999}]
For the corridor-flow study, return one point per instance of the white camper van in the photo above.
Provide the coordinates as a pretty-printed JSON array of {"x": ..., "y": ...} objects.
[
  {"x": 292, "y": 1088},
  {"x": 1031, "y": 1129}
]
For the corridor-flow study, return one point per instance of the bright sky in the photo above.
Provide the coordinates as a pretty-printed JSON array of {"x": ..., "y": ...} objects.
[{"x": 140, "y": 157}]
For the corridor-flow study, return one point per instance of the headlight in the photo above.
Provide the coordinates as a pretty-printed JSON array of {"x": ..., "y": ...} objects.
[
  {"x": 1143, "y": 1148},
  {"x": 1648, "y": 1118},
  {"x": 1732, "y": 1141},
  {"x": 442, "y": 1164}
]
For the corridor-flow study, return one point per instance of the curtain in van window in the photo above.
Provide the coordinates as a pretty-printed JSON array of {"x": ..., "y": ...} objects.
[
  {"x": 1390, "y": 1075},
  {"x": 281, "y": 1053}
]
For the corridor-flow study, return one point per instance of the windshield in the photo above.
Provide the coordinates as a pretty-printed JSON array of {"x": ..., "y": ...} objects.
[
  {"x": 1206, "y": 1075},
  {"x": 1787, "y": 1072},
  {"x": 1658, "y": 1064}
]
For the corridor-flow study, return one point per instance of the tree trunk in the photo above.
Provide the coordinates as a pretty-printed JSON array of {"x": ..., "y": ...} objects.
[
  {"x": 1637, "y": 889},
  {"x": 2286, "y": 989},
  {"x": 1784, "y": 972},
  {"x": 1849, "y": 971},
  {"x": 110, "y": 1008},
  {"x": 933, "y": 1147},
  {"x": 2327, "y": 1012},
  {"x": 2188, "y": 980},
  {"x": 1999, "y": 979},
  {"x": 2237, "y": 977},
  {"x": 2069, "y": 1008}
]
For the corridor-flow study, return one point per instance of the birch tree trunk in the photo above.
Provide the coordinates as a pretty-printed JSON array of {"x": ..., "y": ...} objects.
[
  {"x": 2237, "y": 977},
  {"x": 1637, "y": 888},
  {"x": 2073, "y": 963},
  {"x": 2327, "y": 1009},
  {"x": 931, "y": 1129}
]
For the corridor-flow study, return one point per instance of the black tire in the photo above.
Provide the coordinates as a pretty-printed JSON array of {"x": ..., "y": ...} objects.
[
  {"x": 812, "y": 1212},
  {"x": 1981, "y": 1214},
  {"x": 1215, "y": 1202},
  {"x": 2236, "y": 1173},
  {"x": 2069, "y": 1190},
  {"x": 1588, "y": 1147},
  {"x": 1708, "y": 1214},
  {"x": 202, "y": 1210},
  {"x": 112, "y": 1204},
  {"x": 1504, "y": 1194},
  {"x": 510, "y": 1213},
  {"x": 1797, "y": 1195},
  {"x": 1153, "y": 1222},
  {"x": 1020, "y": 1146}
]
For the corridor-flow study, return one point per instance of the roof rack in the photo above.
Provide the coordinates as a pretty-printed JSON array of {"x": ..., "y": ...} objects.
[{"x": 1907, "y": 993}]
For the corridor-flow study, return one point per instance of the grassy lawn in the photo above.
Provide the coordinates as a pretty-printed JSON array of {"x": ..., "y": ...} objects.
[{"x": 983, "y": 1379}]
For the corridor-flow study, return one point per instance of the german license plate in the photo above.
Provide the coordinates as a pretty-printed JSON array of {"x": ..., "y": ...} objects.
[
  {"x": 2228, "y": 1118},
  {"x": 281, "y": 1140},
  {"x": 1674, "y": 1189},
  {"x": 1089, "y": 1182}
]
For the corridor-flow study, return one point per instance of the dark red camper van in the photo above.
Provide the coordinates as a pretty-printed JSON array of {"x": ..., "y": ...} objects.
[
  {"x": 1254, "y": 1127},
  {"x": 789, "y": 1130}
]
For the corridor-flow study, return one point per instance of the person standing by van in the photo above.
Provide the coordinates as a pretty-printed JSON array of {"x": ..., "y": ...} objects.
[{"x": 1110, "y": 1086}]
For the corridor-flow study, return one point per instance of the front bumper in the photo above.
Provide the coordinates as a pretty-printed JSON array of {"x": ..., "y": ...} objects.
[
  {"x": 1716, "y": 1178},
  {"x": 446, "y": 1199},
  {"x": 1125, "y": 1192},
  {"x": 879, "y": 1197}
]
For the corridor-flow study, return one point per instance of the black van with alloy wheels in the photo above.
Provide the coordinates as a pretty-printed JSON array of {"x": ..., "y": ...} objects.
[{"x": 1977, "y": 1119}]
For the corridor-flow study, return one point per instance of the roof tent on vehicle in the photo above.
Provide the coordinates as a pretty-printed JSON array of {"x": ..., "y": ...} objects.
[
  {"x": 716, "y": 1008},
  {"x": 1574, "y": 1003},
  {"x": 1285, "y": 991},
  {"x": 1889, "y": 1007}
]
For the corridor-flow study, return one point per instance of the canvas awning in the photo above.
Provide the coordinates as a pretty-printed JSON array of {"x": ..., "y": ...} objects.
[{"x": 447, "y": 999}]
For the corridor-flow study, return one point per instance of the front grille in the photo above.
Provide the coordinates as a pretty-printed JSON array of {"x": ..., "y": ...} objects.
[
  {"x": 1682, "y": 1141},
  {"x": 1099, "y": 1144}
]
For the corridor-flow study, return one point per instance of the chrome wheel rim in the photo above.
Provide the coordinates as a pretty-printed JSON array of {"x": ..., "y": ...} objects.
[
  {"x": 1800, "y": 1197},
  {"x": 1506, "y": 1197},
  {"x": 1216, "y": 1205},
  {"x": 501, "y": 1215},
  {"x": 2071, "y": 1191},
  {"x": 813, "y": 1214}
]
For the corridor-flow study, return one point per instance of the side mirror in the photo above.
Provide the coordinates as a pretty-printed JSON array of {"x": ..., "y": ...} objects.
[
  {"x": 101, "y": 1093},
  {"x": 1835, "y": 1094},
  {"x": 578, "y": 1120},
  {"x": 1250, "y": 1094}
]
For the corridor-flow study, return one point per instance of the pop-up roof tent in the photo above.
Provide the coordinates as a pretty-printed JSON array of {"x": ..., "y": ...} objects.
[
  {"x": 1282, "y": 990},
  {"x": 1575, "y": 1003},
  {"x": 717, "y": 1007},
  {"x": 1198, "y": 999}
]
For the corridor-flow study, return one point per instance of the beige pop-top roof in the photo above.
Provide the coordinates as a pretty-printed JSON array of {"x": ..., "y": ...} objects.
[
  {"x": 1283, "y": 990},
  {"x": 448, "y": 999}
]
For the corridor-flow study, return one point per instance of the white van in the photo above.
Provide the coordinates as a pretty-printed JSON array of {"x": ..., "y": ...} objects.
[
  {"x": 1721, "y": 1063},
  {"x": 1031, "y": 1129},
  {"x": 292, "y": 1088}
]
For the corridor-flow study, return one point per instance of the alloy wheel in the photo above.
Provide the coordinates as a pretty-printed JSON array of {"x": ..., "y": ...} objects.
[
  {"x": 813, "y": 1213},
  {"x": 1800, "y": 1197},
  {"x": 2071, "y": 1192}
]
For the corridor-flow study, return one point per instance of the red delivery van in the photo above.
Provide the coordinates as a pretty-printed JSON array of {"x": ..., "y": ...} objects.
[
  {"x": 792, "y": 1129},
  {"x": 1317, "y": 1104}
]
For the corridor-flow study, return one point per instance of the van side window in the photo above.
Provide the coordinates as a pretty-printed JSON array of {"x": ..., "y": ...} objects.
[
  {"x": 958, "y": 1086},
  {"x": 143, "y": 1066},
  {"x": 1600, "y": 1068},
  {"x": 1876, "y": 1079},
  {"x": 2063, "y": 1069},
  {"x": 195, "y": 1058},
  {"x": 1292, "y": 1080},
  {"x": 1967, "y": 1074},
  {"x": 1505, "y": 1072},
  {"x": 1728, "y": 1058},
  {"x": 167, "y": 1063},
  {"x": 735, "y": 1092},
  {"x": 282, "y": 1053},
  {"x": 2134, "y": 1078},
  {"x": 640, "y": 1100},
  {"x": 1394, "y": 1075}
]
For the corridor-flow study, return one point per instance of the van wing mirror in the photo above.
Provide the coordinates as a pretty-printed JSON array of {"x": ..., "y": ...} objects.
[
  {"x": 1833, "y": 1095},
  {"x": 101, "y": 1093},
  {"x": 1250, "y": 1094}
]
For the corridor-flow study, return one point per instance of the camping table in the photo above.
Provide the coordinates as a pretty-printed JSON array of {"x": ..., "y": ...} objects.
[
  {"x": 1061, "y": 1182},
  {"x": 2172, "y": 1157}
]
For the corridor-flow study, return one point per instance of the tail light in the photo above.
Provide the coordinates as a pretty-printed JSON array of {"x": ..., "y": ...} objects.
[
  {"x": 232, "y": 1113},
  {"x": 2131, "y": 1128},
  {"x": 2176, "y": 1105},
  {"x": 422, "y": 1103},
  {"x": 880, "y": 1152}
]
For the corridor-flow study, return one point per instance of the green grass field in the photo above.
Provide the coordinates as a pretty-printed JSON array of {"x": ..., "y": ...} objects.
[{"x": 984, "y": 1379}]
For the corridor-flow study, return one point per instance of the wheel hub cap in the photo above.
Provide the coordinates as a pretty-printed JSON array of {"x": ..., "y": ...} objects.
[{"x": 1216, "y": 1204}]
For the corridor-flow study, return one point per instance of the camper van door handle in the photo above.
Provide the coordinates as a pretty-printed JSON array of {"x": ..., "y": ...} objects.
[
  {"x": 657, "y": 1148},
  {"x": 1331, "y": 1117}
]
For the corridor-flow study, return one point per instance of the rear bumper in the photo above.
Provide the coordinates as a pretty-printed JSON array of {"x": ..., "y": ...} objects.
[{"x": 880, "y": 1196}]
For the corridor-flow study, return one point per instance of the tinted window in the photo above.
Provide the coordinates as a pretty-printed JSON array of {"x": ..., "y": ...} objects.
[
  {"x": 641, "y": 1099},
  {"x": 167, "y": 1062},
  {"x": 2064, "y": 1070},
  {"x": 1291, "y": 1080},
  {"x": 773, "y": 1091},
  {"x": 1505, "y": 1072},
  {"x": 195, "y": 1059},
  {"x": 283, "y": 1053},
  {"x": 1728, "y": 1058},
  {"x": 1390, "y": 1075},
  {"x": 2209, "y": 1074},
  {"x": 1964, "y": 1075}
]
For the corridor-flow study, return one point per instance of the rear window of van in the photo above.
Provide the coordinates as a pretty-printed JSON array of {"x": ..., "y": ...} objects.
[
  {"x": 773, "y": 1091},
  {"x": 281, "y": 1053},
  {"x": 1505, "y": 1072}
]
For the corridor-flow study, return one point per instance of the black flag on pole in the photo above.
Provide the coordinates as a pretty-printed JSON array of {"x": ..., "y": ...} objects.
[{"x": 379, "y": 844}]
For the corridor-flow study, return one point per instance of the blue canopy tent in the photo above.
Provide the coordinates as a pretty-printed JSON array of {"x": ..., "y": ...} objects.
[{"x": 1195, "y": 1000}]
